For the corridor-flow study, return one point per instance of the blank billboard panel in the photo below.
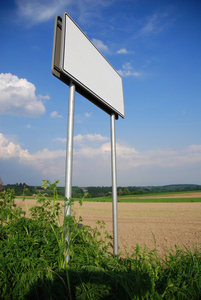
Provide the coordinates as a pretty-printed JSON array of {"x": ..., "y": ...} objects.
[{"x": 81, "y": 61}]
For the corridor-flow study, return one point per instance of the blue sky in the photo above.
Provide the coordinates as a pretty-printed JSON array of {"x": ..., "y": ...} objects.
[{"x": 156, "y": 48}]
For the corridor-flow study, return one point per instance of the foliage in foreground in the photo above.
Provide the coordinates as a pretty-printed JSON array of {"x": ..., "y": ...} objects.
[{"x": 32, "y": 250}]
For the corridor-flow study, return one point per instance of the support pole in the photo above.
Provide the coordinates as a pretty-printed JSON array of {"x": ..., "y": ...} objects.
[
  {"x": 69, "y": 157},
  {"x": 114, "y": 185}
]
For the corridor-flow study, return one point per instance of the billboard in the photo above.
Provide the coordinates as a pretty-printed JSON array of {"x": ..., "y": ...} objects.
[{"x": 76, "y": 58}]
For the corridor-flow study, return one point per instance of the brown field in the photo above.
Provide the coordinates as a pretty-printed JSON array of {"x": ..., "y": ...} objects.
[
  {"x": 156, "y": 225},
  {"x": 180, "y": 195}
]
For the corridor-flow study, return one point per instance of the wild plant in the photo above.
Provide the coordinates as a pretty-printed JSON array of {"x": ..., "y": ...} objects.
[
  {"x": 33, "y": 248},
  {"x": 8, "y": 209},
  {"x": 29, "y": 247}
]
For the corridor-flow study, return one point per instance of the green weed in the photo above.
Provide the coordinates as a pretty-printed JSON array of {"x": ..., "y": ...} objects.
[{"x": 33, "y": 251}]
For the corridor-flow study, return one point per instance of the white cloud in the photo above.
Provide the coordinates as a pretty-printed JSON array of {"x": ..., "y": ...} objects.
[
  {"x": 158, "y": 22},
  {"x": 39, "y": 11},
  {"x": 90, "y": 9},
  {"x": 124, "y": 51},
  {"x": 94, "y": 160},
  {"x": 100, "y": 45},
  {"x": 62, "y": 140},
  {"x": 55, "y": 114},
  {"x": 17, "y": 97},
  {"x": 84, "y": 138},
  {"x": 8, "y": 149},
  {"x": 41, "y": 97},
  {"x": 87, "y": 115},
  {"x": 130, "y": 158},
  {"x": 151, "y": 25},
  {"x": 90, "y": 138},
  {"x": 47, "y": 162},
  {"x": 80, "y": 118},
  {"x": 166, "y": 158},
  {"x": 127, "y": 70}
]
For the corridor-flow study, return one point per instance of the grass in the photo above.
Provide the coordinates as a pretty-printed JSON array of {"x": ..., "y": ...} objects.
[
  {"x": 141, "y": 200},
  {"x": 130, "y": 200},
  {"x": 33, "y": 266},
  {"x": 166, "y": 193},
  {"x": 161, "y": 197},
  {"x": 160, "y": 200}
]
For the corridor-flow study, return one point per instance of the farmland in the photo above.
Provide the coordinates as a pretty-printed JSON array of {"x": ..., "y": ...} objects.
[
  {"x": 162, "y": 222},
  {"x": 32, "y": 248}
]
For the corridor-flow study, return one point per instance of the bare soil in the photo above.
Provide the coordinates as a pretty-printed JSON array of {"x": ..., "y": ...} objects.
[
  {"x": 159, "y": 226},
  {"x": 169, "y": 196},
  {"x": 156, "y": 225}
]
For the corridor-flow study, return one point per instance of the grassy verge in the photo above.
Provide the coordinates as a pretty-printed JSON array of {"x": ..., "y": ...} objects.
[
  {"x": 33, "y": 265},
  {"x": 142, "y": 200},
  {"x": 160, "y": 200},
  {"x": 161, "y": 197},
  {"x": 166, "y": 193},
  {"x": 128, "y": 200}
]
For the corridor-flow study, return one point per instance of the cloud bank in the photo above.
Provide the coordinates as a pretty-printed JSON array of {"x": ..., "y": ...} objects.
[
  {"x": 91, "y": 161},
  {"x": 17, "y": 97}
]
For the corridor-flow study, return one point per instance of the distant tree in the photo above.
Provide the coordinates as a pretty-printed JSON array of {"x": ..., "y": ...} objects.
[
  {"x": 138, "y": 192},
  {"x": 126, "y": 191},
  {"x": 27, "y": 192},
  {"x": 1, "y": 184},
  {"x": 120, "y": 192}
]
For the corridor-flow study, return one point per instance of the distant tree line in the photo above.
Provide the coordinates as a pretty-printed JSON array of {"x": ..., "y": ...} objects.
[
  {"x": 98, "y": 191},
  {"x": 21, "y": 189}
]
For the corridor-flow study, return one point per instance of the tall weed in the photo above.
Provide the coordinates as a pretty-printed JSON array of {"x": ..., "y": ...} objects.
[{"x": 33, "y": 251}]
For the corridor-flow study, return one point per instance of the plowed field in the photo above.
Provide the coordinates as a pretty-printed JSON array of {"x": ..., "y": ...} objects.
[{"x": 156, "y": 225}]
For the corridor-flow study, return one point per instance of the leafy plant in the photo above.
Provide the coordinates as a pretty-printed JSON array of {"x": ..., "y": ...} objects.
[
  {"x": 8, "y": 209},
  {"x": 33, "y": 249}
]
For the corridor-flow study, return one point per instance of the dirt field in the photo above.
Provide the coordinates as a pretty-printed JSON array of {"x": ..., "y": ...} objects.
[
  {"x": 160, "y": 225},
  {"x": 180, "y": 195}
]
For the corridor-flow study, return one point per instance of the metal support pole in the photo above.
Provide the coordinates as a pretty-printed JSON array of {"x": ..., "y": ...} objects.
[
  {"x": 114, "y": 185},
  {"x": 69, "y": 156}
]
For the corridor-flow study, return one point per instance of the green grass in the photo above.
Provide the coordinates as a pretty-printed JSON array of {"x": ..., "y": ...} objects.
[
  {"x": 140, "y": 200},
  {"x": 33, "y": 266},
  {"x": 160, "y": 200},
  {"x": 133, "y": 200},
  {"x": 161, "y": 197},
  {"x": 165, "y": 193}
]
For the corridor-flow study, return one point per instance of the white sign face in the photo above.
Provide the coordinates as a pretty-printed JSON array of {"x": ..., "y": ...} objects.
[{"x": 81, "y": 61}]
